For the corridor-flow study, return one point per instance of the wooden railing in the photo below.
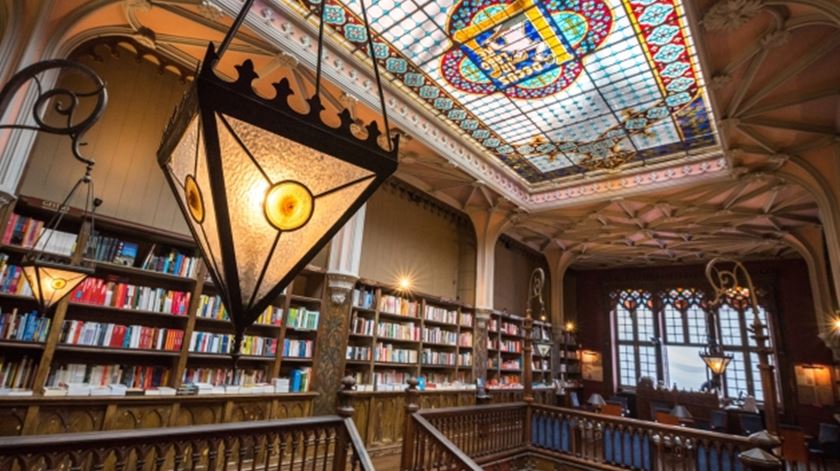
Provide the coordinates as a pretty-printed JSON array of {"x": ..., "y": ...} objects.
[
  {"x": 486, "y": 436},
  {"x": 322, "y": 443}
]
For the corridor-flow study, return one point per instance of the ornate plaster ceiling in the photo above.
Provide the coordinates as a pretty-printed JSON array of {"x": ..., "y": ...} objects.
[
  {"x": 773, "y": 84},
  {"x": 548, "y": 88}
]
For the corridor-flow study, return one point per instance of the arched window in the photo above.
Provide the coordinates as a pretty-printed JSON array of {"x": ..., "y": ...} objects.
[
  {"x": 636, "y": 331},
  {"x": 679, "y": 317}
]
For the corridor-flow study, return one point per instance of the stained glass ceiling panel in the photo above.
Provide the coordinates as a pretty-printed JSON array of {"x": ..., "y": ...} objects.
[{"x": 550, "y": 87}]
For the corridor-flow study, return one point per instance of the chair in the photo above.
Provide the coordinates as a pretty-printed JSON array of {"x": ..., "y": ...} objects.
[
  {"x": 750, "y": 423},
  {"x": 611, "y": 409},
  {"x": 718, "y": 420},
  {"x": 666, "y": 418},
  {"x": 794, "y": 448}
]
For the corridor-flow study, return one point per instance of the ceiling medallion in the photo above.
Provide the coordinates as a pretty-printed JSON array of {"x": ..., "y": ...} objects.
[{"x": 526, "y": 48}]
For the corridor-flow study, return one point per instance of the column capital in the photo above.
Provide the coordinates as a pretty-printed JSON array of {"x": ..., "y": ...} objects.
[{"x": 340, "y": 286}]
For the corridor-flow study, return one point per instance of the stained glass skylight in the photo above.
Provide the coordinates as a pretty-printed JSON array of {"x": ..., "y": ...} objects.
[{"x": 550, "y": 87}]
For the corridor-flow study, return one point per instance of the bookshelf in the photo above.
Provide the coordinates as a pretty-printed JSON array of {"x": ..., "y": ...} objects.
[
  {"x": 148, "y": 318},
  {"x": 505, "y": 351},
  {"x": 394, "y": 335},
  {"x": 569, "y": 361}
]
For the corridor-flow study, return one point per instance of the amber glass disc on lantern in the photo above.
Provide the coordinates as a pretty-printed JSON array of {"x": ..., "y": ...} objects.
[
  {"x": 715, "y": 360},
  {"x": 262, "y": 187},
  {"x": 50, "y": 283}
]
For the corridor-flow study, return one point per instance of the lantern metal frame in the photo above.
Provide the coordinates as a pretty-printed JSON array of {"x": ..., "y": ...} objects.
[
  {"x": 64, "y": 102},
  {"x": 211, "y": 97}
]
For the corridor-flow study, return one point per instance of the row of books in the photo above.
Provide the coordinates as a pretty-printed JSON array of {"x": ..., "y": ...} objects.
[
  {"x": 173, "y": 262},
  {"x": 104, "y": 334},
  {"x": 220, "y": 376},
  {"x": 302, "y": 318},
  {"x": 25, "y": 231},
  {"x": 433, "y": 357},
  {"x": 541, "y": 334},
  {"x": 400, "y": 306},
  {"x": 465, "y": 339},
  {"x": 27, "y": 327},
  {"x": 208, "y": 342},
  {"x": 12, "y": 280},
  {"x": 299, "y": 380},
  {"x": 127, "y": 296},
  {"x": 512, "y": 364},
  {"x": 390, "y": 380},
  {"x": 404, "y": 331},
  {"x": 143, "y": 377},
  {"x": 513, "y": 346},
  {"x": 505, "y": 380},
  {"x": 465, "y": 359},
  {"x": 440, "y": 314},
  {"x": 466, "y": 319},
  {"x": 364, "y": 298},
  {"x": 298, "y": 348},
  {"x": 211, "y": 307},
  {"x": 362, "y": 326},
  {"x": 509, "y": 328},
  {"x": 438, "y": 335},
  {"x": 388, "y": 353},
  {"x": 355, "y": 352},
  {"x": 17, "y": 372},
  {"x": 111, "y": 249}
]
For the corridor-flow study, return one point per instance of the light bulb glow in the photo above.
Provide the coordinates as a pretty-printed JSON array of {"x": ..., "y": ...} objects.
[
  {"x": 836, "y": 324},
  {"x": 570, "y": 326},
  {"x": 405, "y": 283},
  {"x": 288, "y": 205}
]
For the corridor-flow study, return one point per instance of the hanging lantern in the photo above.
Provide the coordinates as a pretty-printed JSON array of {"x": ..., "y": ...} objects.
[
  {"x": 262, "y": 187},
  {"x": 49, "y": 279},
  {"x": 715, "y": 359}
]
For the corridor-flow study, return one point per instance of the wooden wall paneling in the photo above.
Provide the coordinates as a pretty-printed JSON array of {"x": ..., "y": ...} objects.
[
  {"x": 139, "y": 417},
  {"x": 63, "y": 419},
  {"x": 12, "y": 420}
]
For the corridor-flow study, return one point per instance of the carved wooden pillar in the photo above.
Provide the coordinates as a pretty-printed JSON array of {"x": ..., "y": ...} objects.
[
  {"x": 482, "y": 317},
  {"x": 412, "y": 405},
  {"x": 342, "y": 273}
]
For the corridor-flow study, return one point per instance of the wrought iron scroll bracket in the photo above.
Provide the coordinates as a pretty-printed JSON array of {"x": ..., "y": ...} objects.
[{"x": 63, "y": 101}]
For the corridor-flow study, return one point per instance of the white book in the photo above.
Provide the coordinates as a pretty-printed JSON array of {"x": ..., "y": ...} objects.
[{"x": 78, "y": 389}]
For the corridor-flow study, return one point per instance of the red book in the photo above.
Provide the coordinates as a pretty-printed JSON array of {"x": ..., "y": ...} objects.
[{"x": 10, "y": 226}]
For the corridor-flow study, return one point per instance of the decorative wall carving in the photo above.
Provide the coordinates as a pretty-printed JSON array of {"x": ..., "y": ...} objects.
[
  {"x": 332, "y": 344},
  {"x": 728, "y": 15}
]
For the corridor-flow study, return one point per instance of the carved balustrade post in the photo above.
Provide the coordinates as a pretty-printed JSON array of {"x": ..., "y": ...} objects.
[
  {"x": 344, "y": 410},
  {"x": 761, "y": 456},
  {"x": 412, "y": 405}
]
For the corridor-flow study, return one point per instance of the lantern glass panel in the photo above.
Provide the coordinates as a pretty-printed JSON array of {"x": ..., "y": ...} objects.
[{"x": 50, "y": 284}]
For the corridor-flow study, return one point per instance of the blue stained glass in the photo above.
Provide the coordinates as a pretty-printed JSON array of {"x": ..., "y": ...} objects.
[
  {"x": 334, "y": 15},
  {"x": 469, "y": 124},
  {"x": 663, "y": 34},
  {"x": 526, "y": 149},
  {"x": 567, "y": 147},
  {"x": 637, "y": 123},
  {"x": 615, "y": 133},
  {"x": 355, "y": 33},
  {"x": 656, "y": 14},
  {"x": 505, "y": 149},
  {"x": 395, "y": 65},
  {"x": 413, "y": 80},
  {"x": 547, "y": 147},
  {"x": 381, "y": 50},
  {"x": 443, "y": 104},
  {"x": 657, "y": 113},
  {"x": 457, "y": 115},
  {"x": 480, "y": 133},
  {"x": 674, "y": 69},
  {"x": 680, "y": 84},
  {"x": 429, "y": 91},
  {"x": 491, "y": 142},
  {"x": 677, "y": 99},
  {"x": 669, "y": 53}
]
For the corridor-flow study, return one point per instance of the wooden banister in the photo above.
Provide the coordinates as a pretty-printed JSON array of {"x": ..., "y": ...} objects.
[
  {"x": 433, "y": 451},
  {"x": 193, "y": 447},
  {"x": 496, "y": 433}
]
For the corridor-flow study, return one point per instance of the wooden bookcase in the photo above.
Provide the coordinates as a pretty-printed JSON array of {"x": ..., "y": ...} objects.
[
  {"x": 505, "y": 351},
  {"x": 307, "y": 290},
  {"x": 569, "y": 366},
  {"x": 437, "y": 326}
]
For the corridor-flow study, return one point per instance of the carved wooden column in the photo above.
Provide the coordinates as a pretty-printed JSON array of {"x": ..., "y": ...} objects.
[
  {"x": 333, "y": 328},
  {"x": 482, "y": 317},
  {"x": 412, "y": 405}
]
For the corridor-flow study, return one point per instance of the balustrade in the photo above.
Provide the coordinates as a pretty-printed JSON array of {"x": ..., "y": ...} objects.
[
  {"x": 489, "y": 435},
  {"x": 314, "y": 443}
]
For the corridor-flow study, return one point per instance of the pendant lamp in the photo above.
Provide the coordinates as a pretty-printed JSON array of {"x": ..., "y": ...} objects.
[
  {"x": 262, "y": 187},
  {"x": 52, "y": 278}
]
